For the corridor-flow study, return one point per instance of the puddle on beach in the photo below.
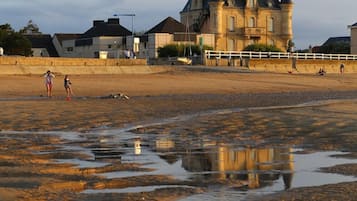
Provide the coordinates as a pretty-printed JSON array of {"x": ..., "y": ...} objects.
[
  {"x": 235, "y": 172},
  {"x": 223, "y": 150}
]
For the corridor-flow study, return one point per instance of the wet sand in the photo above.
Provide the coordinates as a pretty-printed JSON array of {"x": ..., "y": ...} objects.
[{"x": 159, "y": 96}]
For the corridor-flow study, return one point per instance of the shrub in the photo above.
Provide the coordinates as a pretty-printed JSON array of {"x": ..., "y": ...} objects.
[
  {"x": 173, "y": 50},
  {"x": 262, "y": 48}
]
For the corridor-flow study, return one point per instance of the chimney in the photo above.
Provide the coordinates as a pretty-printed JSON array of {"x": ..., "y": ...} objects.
[
  {"x": 113, "y": 21},
  {"x": 96, "y": 22}
]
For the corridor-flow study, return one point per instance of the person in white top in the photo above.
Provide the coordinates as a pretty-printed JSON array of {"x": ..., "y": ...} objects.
[
  {"x": 49, "y": 82},
  {"x": 67, "y": 87}
]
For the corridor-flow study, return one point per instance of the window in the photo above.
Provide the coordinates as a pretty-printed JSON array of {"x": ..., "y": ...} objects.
[
  {"x": 251, "y": 22},
  {"x": 230, "y": 3},
  {"x": 215, "y": 21},
  {"x": 69, "y": 49},
  {"x": 195, "y": 3},
  {"x": 271, "y": 42},
  {"x": 252, "y": 3},
  {"x": 109, "y": 46},
  {"x": 271, "y": 24},
  {"x": 231, "y": 23},
  {"x": 230, "y": 45}
]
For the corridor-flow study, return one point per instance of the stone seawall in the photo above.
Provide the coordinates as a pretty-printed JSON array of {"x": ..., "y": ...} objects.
[
  {"x": 286, "y": 65},
  {"x": 73, "y": 66}
]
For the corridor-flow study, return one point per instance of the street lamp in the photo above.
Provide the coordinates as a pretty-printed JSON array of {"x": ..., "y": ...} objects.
[{"x": 132, "y": 24}]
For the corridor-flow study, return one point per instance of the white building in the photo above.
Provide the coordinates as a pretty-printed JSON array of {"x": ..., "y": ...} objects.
[
  {"x": 170, "y": 31},
  {"x": 104, "y": 40}
]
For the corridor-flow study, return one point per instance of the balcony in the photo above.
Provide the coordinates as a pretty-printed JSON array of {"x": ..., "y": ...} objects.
[{"x": 254, "y": 31}]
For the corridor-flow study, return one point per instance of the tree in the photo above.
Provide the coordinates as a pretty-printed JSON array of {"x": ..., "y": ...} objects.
[
  {"x": 290, "y": 46},
  {"x": 17, "y": 44},
  {"x": 5, "y": 29},
  {"x": 173, "y": 50},
  {"x": 262, "y": 48},
  {"x": 30, "y": 28},
  {"x": 14, "y": 43}
]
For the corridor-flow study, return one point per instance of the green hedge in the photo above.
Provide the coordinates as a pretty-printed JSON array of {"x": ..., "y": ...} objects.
[
  {"x": 262, "y": 48},
  {"x": 174, "y": 50}
]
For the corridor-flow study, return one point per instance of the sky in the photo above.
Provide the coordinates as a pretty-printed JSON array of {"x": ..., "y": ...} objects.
[{"x": 314, "y": 21}]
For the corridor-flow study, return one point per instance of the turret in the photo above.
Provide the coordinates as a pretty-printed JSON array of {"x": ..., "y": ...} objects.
[
  {"x": 216, "y": 12},
  {"x": 287, "y": 7}
]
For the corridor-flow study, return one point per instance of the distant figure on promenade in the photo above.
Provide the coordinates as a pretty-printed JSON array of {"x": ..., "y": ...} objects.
[
  {"x": 127, "y": 54},
  {"x": 67, "y": 86},
  {"x": 49, "y": 82},
  {"x": 342, "y": 68}
]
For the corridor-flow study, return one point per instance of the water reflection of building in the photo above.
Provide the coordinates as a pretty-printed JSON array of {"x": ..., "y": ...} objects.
[{"x": 258, "y": 166}]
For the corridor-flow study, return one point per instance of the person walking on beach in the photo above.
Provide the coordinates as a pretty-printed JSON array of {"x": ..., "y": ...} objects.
[
  {"x": 67, "y": 86},
  {"x": 342, "y": 68},
  {"x": 49, "y": 82}
]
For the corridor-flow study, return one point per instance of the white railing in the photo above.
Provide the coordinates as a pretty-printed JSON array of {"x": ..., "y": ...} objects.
[{"x": 277, "y": 55}]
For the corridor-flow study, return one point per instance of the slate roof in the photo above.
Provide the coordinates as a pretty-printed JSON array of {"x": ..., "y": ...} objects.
[
  {"x": 338, "y": 40},
  {"x": 354, "y": 25},
  {"x": 43, "y": 41},
  {"x": 287, "y": 1},
  {"x": 62, "y": 36},
  {"x": 270, "y": 4},
  {"x": 168, "y": 25},
  {"x": 110, "y": 28}
]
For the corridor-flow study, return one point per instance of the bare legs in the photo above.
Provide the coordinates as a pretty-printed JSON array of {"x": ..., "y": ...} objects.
[
  {"x": 49, "y": 90},
  {"x": 69, "y": 92}
]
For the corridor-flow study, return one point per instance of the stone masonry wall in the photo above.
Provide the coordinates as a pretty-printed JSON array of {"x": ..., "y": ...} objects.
[
  {"x": 286, "y": 65},
  {"x": 32, "y": 65}
]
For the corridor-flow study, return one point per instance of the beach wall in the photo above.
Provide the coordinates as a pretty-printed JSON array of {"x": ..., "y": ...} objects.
[
  {"x": 287, "y": 65},
  {"x": 73, "y": 66}
]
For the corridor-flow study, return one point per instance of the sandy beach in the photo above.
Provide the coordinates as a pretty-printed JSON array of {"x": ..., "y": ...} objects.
[{"x": 24, "y": 107}]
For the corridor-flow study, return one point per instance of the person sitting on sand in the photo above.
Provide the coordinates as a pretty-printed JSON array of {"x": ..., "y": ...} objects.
[
  {"x": 67, "y": 86},
  {"x": 49, "y": 82},
  {"x": 322, "y": 72}
]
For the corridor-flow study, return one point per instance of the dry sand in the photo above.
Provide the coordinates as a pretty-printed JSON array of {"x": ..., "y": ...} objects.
[{"x": 24, "y": 108}]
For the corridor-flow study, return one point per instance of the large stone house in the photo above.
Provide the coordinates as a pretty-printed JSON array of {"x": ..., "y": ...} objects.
[
  {"x": 239, "y": 23},
  {"x": 353, "y": 41}
]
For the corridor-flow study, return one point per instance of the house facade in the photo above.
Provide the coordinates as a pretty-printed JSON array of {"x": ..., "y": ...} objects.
[
  {"x": 103, "y": 40},
  {"x": 42, "y": 45},
  {"x": 170, "y": 31},
  {"x": 239, "y": 23}
]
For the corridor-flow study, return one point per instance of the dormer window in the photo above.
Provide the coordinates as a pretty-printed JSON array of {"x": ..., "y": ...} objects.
[
  {"x": 251, "y": 3},
  {"x": 229, "y": 3},
  {"x": 195, "y": 3}
]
